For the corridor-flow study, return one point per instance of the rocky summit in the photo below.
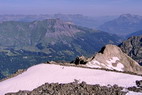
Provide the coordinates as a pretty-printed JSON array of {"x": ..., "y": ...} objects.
[{"x": 111, "y": 57}]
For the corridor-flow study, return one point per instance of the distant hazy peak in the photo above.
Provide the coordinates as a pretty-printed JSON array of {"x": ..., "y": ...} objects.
[
  {"x": 124, "y": 25},
  {"x": 130, "y": 16},
  {"x": 126, "y": 15}
]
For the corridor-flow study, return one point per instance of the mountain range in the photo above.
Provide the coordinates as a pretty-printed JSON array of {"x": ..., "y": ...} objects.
[
  {"x": 78, "y": 19},
  {"x": 122, "y": 25}
]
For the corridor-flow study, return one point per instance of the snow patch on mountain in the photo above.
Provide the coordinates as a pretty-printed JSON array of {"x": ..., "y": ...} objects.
[
  {"x": 111, "y": 64},
  {"x": 51, "y": 73},
  {"x": 112, "y": 60},
  {"x": 94, "y": 64}
]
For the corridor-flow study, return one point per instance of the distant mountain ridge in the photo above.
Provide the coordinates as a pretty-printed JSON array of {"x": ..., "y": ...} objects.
[
  {"x": 123, "y": 25},
  {"x": 78, "y": 19},
  {"x": 21, "y": 34}
]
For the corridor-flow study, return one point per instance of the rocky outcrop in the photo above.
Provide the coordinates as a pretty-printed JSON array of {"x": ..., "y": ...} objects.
[
  {"x": 137, "y": 88},
  {"x": 139, "y": 83},
  {"x": 133, "y": 47},
  {"x": 111, "y": 57},
  {"x": 80, "y": 60},
  {"x": 73, "y": 89}
]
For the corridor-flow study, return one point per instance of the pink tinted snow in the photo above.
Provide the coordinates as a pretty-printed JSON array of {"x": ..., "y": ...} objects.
[{"x": 51, "y": 73}]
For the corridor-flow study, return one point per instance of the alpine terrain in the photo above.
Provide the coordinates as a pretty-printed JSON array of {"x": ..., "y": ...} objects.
[
  {"x": 80, "y": 76},
  {"x": 24, "y": 44}
]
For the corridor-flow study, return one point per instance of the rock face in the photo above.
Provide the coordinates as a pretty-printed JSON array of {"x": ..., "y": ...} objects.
[
  {"x": 73, "y": 89},
  {"x": 133, "y": 48},
  {"x": 111, "y": 57}
]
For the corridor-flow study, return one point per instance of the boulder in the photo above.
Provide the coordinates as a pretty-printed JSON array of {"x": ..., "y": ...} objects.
[
  {"x": 80, "y": 60},
  {"x": 139, "y": 83}
]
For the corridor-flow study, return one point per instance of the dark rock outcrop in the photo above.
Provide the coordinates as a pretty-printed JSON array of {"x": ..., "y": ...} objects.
[
  {"x": 80, "y": 60},
  {"x": 138, "y": 88},
  {"x": 133, "y": 47},
  {"x": 139, "y": 83}
]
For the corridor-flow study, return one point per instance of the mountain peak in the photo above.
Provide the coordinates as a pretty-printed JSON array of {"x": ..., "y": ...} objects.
[
  {"x": 126, "y": 15},
  {"x": 110, "y": 49},
  {"x": 111, "y": 57}
]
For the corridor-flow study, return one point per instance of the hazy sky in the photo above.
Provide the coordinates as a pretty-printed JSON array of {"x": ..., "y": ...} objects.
[{"x": 86, "y": 7}]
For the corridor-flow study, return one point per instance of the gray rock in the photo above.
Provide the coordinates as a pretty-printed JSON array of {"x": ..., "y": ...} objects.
[
  {"x": 73, "y": 89},
  {"x": 133, "y": 47},
  {"x": 80, "y": 60},
  {"x": 139, "y": 83}
]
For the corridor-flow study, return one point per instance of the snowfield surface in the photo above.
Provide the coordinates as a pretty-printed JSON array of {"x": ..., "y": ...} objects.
[
  {"x": 109, "y": 65},
  {"x": 51, "y": 73}
]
